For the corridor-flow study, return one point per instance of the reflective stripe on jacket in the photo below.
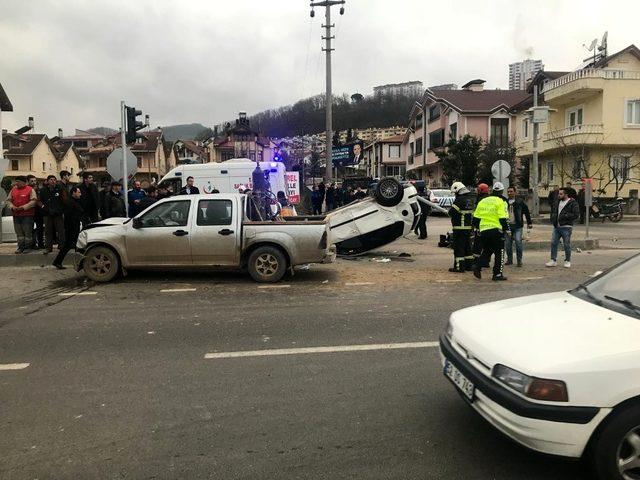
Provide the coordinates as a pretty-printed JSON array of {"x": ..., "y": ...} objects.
[{"x": 489, "y": 211}]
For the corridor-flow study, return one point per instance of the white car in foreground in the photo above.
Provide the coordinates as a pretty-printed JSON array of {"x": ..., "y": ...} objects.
[{"x": 560, "y": 372}]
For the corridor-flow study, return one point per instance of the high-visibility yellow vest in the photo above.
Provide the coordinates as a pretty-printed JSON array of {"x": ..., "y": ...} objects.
[{"x": 490, "y": 210}]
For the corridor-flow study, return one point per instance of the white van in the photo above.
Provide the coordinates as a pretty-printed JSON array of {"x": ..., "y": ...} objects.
[{"x": 226, "y": 177}]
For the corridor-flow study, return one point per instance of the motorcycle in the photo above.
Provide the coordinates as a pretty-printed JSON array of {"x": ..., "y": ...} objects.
[{"x": 612, "y": 210}]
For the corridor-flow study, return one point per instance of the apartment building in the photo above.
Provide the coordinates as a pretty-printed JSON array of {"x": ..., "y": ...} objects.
[
  {"x": 383, "y": 158},
  {"x": 394, "y": 89},
  {"x": 521, "y": 73},
  {"x": 593, "y": 129},
  {"x": 444, "y": 114}
]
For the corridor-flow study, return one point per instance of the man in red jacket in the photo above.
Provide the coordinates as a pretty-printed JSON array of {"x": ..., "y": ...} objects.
[{"x": 22, "y": 201}]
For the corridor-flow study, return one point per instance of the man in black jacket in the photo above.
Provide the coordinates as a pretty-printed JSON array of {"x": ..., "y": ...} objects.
[
  {"x": 563, "y": 214},
  {"x": 53, "y": 198},
  {"x": 89, "y": 199},
  {"x": 189, "y": 189},
  {"x": 516, "y": 209},
  {"x": 73, "y": 215},
  {"x": 114, "y": 203}
]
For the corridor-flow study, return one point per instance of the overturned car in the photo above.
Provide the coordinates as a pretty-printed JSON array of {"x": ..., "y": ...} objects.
[{"x": 391, "y": 212}]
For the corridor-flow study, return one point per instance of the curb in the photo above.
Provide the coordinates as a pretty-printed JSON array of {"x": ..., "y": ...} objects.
[
  {"x": 36, "y": 259},
  {"x": 591, "y": 244}
]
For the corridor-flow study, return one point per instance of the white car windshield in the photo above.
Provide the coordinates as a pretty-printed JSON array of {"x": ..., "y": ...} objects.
[{"x": 616, "y": 289}]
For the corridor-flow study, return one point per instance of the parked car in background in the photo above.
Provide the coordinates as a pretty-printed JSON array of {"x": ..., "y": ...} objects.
[
  {"x": 560, "y": 372},
  {"x": 8, "y": 232},
  {"x": 444, "y": 197}
]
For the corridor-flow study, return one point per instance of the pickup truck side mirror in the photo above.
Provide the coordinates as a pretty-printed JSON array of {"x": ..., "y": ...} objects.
[{"x": 137, "y": 223}]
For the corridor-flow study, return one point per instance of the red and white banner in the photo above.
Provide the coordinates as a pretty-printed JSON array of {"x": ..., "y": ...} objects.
[{"x": 292, "y": 180}]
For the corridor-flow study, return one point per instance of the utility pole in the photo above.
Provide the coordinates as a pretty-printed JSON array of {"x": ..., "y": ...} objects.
[
  {"x": 534, "y": 161},
  {"x": 327, "y": 4}
]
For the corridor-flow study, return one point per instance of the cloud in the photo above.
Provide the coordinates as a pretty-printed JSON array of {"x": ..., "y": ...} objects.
[{"x": 69, "y": 63}]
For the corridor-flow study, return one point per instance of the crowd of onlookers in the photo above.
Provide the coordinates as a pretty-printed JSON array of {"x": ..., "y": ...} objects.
[
  {"x": 329, "y": 198},
  {"x": 52, "y": 212}
]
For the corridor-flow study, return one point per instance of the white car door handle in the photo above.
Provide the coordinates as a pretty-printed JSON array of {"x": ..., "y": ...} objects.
[
  {"x": 180, "y": 233},
  {"x": 225, "y": 231}
]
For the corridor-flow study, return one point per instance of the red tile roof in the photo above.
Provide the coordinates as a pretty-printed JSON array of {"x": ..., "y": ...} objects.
[{"x": 485, "y": 101}]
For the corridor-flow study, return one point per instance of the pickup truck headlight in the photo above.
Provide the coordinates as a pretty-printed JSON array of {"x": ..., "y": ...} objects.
[
  {"x": 532, "y": 387},
  {"x": 82, "y": 240}
]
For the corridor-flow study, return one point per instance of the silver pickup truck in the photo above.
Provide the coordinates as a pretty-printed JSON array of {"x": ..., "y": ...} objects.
[{"x": 201, "y": 231}]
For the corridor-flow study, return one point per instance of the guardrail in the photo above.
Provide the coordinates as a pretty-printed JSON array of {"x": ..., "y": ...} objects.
[
  {"x": 591, "y": 73},
  {"x": 588, "y": 129}
]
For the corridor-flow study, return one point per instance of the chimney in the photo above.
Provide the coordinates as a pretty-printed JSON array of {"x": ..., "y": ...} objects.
[
  {"x": 31, "y": 123},
  {"x": 59, "y": 133},
  {"x": 146, "y": 120},
  {"x": 476, "y": 85}
]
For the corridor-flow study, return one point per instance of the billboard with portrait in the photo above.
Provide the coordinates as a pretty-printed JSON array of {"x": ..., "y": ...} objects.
[{"x": 349, "y": 155}]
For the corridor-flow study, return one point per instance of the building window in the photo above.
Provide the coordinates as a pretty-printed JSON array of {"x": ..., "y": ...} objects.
[
  {"x": 525, "y": 128},
  {"x": 394, "y": 170},
  {"x": 633, "y": 112},
  {"x": 394, "y": 151},
  {"x": 15, "y": 164},
  {"x": 578, "y": 170},
  {"x": 71, "y": 170},
  {"x": 139, "y": 162},
  {"x": 574, "y": 117},
  {"x": 419, "y": 146},
  {"x": 418, "y": 121},
  {"x": 500, "y": 131},
  {"x": 102, "y": 162},
  {"x": 434, "y": 112},
  {"x": 453, "y": 130},
  {"x": 550, "y": 173},
  {"x": 436, "y": 139},
  {"x": 44, "y": 166},
  {"x": 619, "y": 167}
]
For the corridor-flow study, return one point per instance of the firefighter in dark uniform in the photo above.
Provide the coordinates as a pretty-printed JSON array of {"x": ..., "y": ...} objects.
[
  {"x": 461, "y": 213},
  {"x": 482, "y": 192}
]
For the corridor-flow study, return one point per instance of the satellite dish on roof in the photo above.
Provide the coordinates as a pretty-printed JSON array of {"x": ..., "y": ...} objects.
[{"x": 603, "y": 43}]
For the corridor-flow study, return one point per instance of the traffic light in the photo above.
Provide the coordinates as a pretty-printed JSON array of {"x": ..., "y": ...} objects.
[{"x": 133, "y": 125}]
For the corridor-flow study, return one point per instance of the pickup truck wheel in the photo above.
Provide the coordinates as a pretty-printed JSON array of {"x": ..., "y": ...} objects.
[
  {"x": 389, "y": 192},
  {"x": 267, "y": 264},
  {"x": 101, "y": 264},
  {"x": 616, "y": 452}
]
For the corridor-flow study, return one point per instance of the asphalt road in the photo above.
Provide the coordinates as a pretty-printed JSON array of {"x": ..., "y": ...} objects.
[{"x": 118, "y": 386}]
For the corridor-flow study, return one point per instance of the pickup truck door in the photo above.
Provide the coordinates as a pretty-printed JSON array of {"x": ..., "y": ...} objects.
[
  {"x": 163, "y": 235},
  {"x": 216, "y": 231}
]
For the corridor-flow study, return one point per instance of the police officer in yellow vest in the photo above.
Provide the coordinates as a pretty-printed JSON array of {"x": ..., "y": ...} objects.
[
  {"x": 461, "y": 220},
  {"x": 491, "y": 218}
]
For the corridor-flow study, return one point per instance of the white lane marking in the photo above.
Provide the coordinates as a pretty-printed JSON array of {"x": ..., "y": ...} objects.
[
  {"x": 331, "y": 349},
  {"x": 175, "y": 290},
  {"x": 533, "y": 278},
  {"x": 73, "y": 294},
  {"x": 13, "y": 366},
  {"x": 358, "y": 284},
  {"x": 274, "y": 286},
  {"x": 448, "y": 281}
]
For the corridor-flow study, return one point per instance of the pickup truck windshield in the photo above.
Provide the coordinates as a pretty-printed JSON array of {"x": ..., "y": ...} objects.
[{"x": 616, "y": 289}]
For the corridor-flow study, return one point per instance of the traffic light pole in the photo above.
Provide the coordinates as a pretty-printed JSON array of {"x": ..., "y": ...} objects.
[{"x": 123, "y": 142}]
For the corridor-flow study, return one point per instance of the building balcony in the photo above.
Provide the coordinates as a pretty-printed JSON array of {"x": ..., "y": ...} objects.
[
  {"x": 582, "y": 84},
  {"x": 577, "y": 134}
]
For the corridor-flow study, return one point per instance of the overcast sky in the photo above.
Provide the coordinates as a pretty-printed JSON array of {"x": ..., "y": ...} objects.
[{"x": 70, "y": 62}]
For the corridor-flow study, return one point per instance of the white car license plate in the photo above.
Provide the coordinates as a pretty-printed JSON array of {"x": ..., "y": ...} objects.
[{"x": 459, "y": 380}]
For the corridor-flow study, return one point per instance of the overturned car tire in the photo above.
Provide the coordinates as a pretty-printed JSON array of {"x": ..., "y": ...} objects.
[{"x": 389, "y": 192}]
